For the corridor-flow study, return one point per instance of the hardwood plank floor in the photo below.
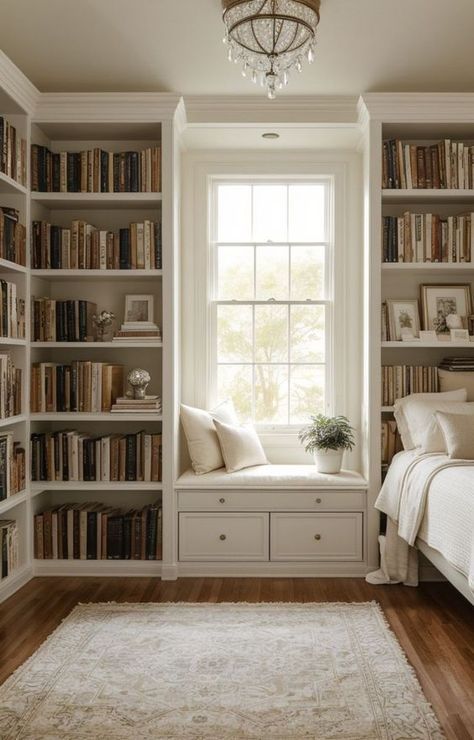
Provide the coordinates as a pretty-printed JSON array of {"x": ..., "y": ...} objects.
[{"x": 434, "y": 623}]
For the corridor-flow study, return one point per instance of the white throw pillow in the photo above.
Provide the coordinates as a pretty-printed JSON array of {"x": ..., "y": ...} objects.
[
  {"x": 200, "y": 432},
  {"x": 413, "y": 413},
  {"x": 458, "y": 432},
  {"x": 433, "y": 438},
  {"x": 240, "y": 445}
]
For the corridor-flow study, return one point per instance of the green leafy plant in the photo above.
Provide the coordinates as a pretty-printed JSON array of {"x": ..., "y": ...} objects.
[{"x": 327, "y": 433}]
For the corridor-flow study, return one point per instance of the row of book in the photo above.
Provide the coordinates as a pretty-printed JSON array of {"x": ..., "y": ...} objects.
[
  {"x": 82, "y": 386},
  {"x": 84, "y": 247},
  {"x": 62, "y": 321},
  {"x": 12, "y": 466},
  {"x": 12, "y": 152},
  {"x": 427, "y": 237},
  {"x": 446, "y": 164},
  {"x": 12, "y": 236},
  {"x": 96, "y": 171},
  {"x": 12, "y": 312},
  {"x": 8, "y": 547},
  {"x": 10, "y": 387},
  {"x": 457, "y": 364},
  {"x": 391, "y": 441},
  {"x": 93, "y": 531},
  {"x": 74, "y": 456},
  {"x": 399, "y": 381}
]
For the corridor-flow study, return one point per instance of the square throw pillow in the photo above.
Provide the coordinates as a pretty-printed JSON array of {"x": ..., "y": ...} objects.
[
  {"x": 458, "y": 431},
  {"x": 414, "y": 412},
  {"x": 240, "y": 445},
  {"x": 450, "y": 381},
  {"x": 433, "y": 439},
  {"x": 200, "y": 432}
]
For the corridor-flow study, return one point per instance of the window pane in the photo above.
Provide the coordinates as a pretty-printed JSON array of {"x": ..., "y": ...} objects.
[
  {"x": 272, "y": 273},
  {"x": 307, "y": 392},
  {"x": 234, "y": 213},
  {"x": 271, "y": 394},
  {"x": 235, "y": 382},
  {"x": 270, "y": 213},
  {"x": 307, "y": 273},
  {"x": 234, "y": 334},
  {"x": 307, "y": 333},
  {"x": 271, "y": 334},
  {"x": 307, "y": 213},
  {"x": 235, "y": 273}
]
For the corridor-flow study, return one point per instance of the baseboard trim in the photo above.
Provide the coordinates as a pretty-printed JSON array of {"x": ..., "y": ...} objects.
[{"x": 272, "y": 570}]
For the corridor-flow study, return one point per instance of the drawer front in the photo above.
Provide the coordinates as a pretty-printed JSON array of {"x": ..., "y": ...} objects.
[
  {"x": 271, "y": 500},
  {"x": 311, "y": 536},
  {"x": 205, "y": 536}
]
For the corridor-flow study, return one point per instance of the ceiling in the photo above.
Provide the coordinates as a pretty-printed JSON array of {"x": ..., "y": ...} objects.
[{"x": 175, "y": 46}]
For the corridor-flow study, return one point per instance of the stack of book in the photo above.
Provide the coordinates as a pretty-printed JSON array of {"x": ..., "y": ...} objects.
[
  {"x": 62, "y": 321},
  {"x": 401, "y": 380},
  {"x": 147, "y": 405},
  {"x": 12, "y": 312},
  {"x": 10, "y": 388},
  {"x": 93, "y": 531},
  {"x": 12, "y": 236},
  {"x": 446, "y": 164},
  {"x": 8, "y": 547},
  {"x": 12, "y": 466},
  {"x": 75, "y": 456},
  {"x": 84, "y": 247},
  {"x": 12, "y": 152},
  {"x": 391, "y": 441},
  {"x": 81, "y": 386},
  {"x": 96, "y": 171},
  {"x": 427, "y": 237},
  {"x": 457, "y": 364}
]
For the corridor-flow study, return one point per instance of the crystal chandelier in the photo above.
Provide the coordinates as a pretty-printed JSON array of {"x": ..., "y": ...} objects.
[{"x": 270, "y": 37}]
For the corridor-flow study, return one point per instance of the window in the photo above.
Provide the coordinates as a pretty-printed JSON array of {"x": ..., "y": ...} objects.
[{"x": 271, "y": 298}]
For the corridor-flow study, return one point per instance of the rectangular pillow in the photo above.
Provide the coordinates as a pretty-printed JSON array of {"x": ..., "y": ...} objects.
[
  {"x": 432, "y": 438},
  {"x": 200, "y": 432},
  {"x": 412, "y": 419},
  {"x": 458, "y": 432},
  {"x": 451, "y": 381},
  {"x": 240, "y": 445}
]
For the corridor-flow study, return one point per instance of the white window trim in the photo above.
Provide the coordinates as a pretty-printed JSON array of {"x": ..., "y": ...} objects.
[{"x": 199, "y": 170}]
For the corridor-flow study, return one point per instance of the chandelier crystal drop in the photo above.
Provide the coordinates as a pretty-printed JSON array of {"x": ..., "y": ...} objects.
[{"x": 270, "y": 38}]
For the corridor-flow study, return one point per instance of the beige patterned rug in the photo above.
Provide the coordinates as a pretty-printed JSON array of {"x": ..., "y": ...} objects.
[{"x": 218, "y": 671}]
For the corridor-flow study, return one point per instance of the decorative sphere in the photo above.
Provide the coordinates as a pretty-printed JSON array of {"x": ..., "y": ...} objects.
[
  {"x": 138, "y": 379},
  {"x": 453, "y": 321}
]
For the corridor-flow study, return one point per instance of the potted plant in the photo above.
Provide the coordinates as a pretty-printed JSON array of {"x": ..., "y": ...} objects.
[{"x": 326, "y": 438}]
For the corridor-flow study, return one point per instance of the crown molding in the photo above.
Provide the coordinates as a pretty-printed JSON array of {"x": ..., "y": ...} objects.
[
  {"x": 209, "y": 109},
  {"x": 417, "y": 107},
  {"x": 17, "y": 86},
  {"x": 106, "y": 107}
]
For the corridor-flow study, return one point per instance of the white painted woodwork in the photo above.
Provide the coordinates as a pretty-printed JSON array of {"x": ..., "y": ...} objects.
[
  {"x": 223, "y": 537},
  {"x": 230, "y": 500},
  {"x": 309, "y": 536}
]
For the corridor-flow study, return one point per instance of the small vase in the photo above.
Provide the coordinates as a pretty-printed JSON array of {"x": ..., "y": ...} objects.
[{"x": 328, "y": 461}]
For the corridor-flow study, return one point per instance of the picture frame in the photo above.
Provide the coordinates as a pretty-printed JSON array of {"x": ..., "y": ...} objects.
[
  {"x": 403, "y": 319},
  {"x": 438, "y": 300},
  {"x": 139, "y": 309},
  {"x": 460, "y": 335},
  {"x": 428, "y": 336}
]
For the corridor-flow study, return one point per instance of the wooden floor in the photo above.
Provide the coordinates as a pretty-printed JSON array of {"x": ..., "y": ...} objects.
[{"x": 434, "y": 624}]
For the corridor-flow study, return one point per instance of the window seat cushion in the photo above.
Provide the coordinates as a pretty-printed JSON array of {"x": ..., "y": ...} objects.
[{"x": 271, "y": 477}]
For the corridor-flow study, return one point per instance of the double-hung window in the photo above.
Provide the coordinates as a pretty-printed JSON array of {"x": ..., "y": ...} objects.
[{"x": 271, "y": 298}]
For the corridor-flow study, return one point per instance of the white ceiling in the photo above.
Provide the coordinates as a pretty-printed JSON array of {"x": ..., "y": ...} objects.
[{"x": 176, "y": 46}]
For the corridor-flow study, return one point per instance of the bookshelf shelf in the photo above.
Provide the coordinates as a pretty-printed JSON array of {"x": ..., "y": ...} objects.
[
  {"x": 10, "y": 186},
  {"x": 427, "y": 345},
  {"x": 111, "y": 486},
  {"x": 19, "y": 419},
  {"x": 428, "y": 266},
  {"x": 13, "y": 342},
  {"x": 97, "y": 345},
  {"x": 12, "y": 501},
  {"x": 387, "y": 409},
  {"x": 7, "y": 266},
  {"x": 96, "y": 201},
  {"x": 84, "y": 416},
  {"x": 425, "y": 195},
  {"x": 122, "y": 568},
  {"x": 106, "y": 275}
]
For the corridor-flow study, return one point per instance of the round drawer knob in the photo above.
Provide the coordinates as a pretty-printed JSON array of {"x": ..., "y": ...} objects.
[
  {"x": 222, "y": 537},
  {"x": 222, "y": 500},
  {"x": 317, "y": 536},
  {"x": 319, "y": 500}
]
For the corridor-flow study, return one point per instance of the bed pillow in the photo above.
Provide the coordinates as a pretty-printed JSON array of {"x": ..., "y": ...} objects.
[
  {"x": 451, "y": 381},
  {"x": 200, "y": 432},
  {"x": 433, "y": 439},
  {"x": 240, "y": 445},
  {"x": 458, "y": 432},
  {"x": 413, "y": 413}
]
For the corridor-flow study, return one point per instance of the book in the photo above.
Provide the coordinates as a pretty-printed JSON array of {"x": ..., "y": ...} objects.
[
  {"x": 12, "y": 312},
  {"x": 8, "y": 547},
  {"x": 428, "y": 237},
  {"x": 12, "y": 236},
  {"x": 12, "y": 152},
  {"x": 12, "y": 466},
  {"x": 444, "y": 164},
  {"x": 62, "y": 321},
  {"x": 82, "y": 386},
  {"x": 399, "y": 381},
  {"x": 10, "y": 387}
]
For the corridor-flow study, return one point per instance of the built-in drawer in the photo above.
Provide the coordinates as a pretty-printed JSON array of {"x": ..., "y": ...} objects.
[
  {"x": 309, "y": 536},
  {"x": 207, "y": 536},
  {"x": 271, "y": 500}
]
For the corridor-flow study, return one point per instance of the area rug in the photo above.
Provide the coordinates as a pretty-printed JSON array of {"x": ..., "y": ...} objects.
[{"x": 218, "y": 671}]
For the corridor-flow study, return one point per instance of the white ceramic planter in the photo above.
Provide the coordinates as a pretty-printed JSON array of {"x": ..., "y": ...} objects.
[{"x": 328, "y": 461}]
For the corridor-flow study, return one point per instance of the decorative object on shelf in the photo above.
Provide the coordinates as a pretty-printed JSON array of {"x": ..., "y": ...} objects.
[
  {"x": 139, "y": 380},
  {"x": 139, "y": 323},
  {"x": 453, "y": 321},
  {"x": 104, "y": 324},
  {"x": 439, "y": 301},
  {"x": 470, "y": 324},
  {"x": 326, "y": 438},
  {"x": 404, "y": 319},
  {"x": 428, "y": 336},
  {"x": 270, "y": 37},
  {"x": 459, "y": 335}
]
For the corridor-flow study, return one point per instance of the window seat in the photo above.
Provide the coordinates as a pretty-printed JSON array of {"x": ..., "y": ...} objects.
[{"x": 271, "y": 477}]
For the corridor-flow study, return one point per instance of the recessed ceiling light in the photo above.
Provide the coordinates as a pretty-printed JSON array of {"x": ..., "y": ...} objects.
[{"x": 271, "y": 135}]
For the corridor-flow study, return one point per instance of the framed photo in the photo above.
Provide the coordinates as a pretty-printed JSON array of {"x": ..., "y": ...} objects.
[
  {"x": 403, "y": 319},
  {"x": 460, "y": 335},
  {"x": 139, "y": 308},
  {"x": 439, "y": 301}
]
